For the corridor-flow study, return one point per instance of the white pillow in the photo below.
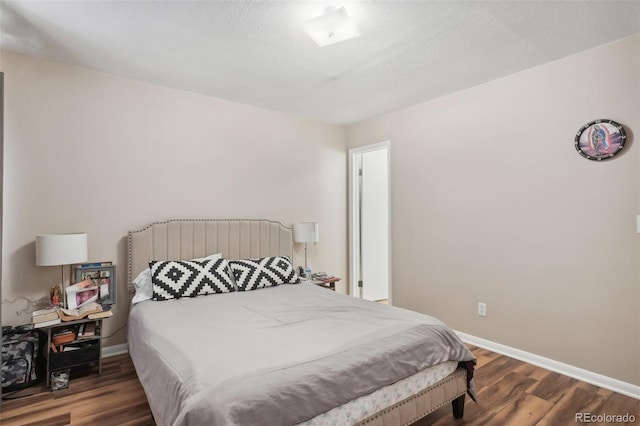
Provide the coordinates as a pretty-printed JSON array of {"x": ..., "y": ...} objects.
[{"x": 144, "y": 287}]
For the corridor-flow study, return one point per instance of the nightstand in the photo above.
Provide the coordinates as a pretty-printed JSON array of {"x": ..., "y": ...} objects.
[
  {"x": 329, "y": 283},
  {"x": 86, "y": 349}
]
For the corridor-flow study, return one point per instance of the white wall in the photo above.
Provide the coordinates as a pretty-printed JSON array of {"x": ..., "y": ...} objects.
[
  {"x": 491, "y": 203},
  {"x": 89, "y": 151}
]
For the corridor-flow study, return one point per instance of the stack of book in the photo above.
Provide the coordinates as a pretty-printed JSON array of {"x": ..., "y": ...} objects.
[
  {"x": 45, "y": 317},
  {"x": 323, "y": 277},
  {"x": 87, "y": 331}
]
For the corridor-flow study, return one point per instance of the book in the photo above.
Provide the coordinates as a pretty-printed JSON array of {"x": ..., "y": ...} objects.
[
  {"x": 76, "y": 314},
  {"x": 103, "y": 314},
  {"x": 43, "y": 318},
  {"x": 92, "y": 265},
  {"x": 89, "y": 331},
  {"x": 63, "y": 332},
  {"x": 44, "y": 311},
  {"x": 81, "y": 294},
  {"x": 46, "y": 323}
]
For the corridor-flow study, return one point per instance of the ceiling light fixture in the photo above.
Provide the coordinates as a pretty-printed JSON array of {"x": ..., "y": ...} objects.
[{"x": 333, "y": 27}]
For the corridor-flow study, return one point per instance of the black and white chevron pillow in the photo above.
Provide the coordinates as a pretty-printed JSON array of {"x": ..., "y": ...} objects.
[
  {"x": 251, "y": 274},
  {"x": 174, "y": 279}
]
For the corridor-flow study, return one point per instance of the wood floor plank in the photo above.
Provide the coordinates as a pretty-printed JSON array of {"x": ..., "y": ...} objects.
[
  {"x": 532, "y": 371},
  {"x": 576, "y": 400},
  {"x": 553, "y": 387},
  {"x": 496, "y": 397},
  {"x": 61, "y": 420},
  {"x": 141, "y": 421},
  {"x": 510, "y": 393},
  {"x": 617, "y": 404},
  {"x": 526, "y": 410},
  {"x": 592, "y": 388},
  {"x": 126, "y": 412},
  {"x": 495, "y": 370}
]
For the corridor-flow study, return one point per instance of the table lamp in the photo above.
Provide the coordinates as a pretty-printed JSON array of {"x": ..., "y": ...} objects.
[
  {"x": 306, "y": 232},
  {"x": 61, "y": 250}
]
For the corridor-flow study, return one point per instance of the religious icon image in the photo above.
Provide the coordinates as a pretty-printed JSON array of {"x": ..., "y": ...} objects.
[
  {"x": 600, "y": 139},
  {"x": 56, "y": 295}
]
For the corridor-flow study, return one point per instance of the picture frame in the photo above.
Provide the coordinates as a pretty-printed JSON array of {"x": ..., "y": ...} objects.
[
  {"x": 103, "y": 274},
  {"x": 600, "y": 139}
]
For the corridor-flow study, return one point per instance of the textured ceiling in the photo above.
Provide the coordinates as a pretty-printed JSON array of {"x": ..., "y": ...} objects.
[{"x": 256, "y": 52}]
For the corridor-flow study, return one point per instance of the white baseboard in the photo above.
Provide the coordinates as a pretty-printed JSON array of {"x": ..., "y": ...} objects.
[
  {"x": 120, "y": 349},
  {"x": 615, "y": 385}
]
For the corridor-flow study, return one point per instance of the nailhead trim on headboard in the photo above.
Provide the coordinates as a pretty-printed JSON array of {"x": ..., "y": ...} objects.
[{"x": 131, "y": 234}]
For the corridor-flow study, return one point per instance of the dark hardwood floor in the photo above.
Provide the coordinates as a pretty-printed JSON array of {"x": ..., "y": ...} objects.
[
  {"x": 510, "y": 392},
  {"x": 114, "y": 398}
]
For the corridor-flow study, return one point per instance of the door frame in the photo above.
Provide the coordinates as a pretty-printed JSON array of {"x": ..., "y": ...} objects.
[{"x": 354, "y": 216}]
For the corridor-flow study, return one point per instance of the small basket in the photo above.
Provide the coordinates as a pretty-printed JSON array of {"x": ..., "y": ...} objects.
[
  {"x": 60, "y": 379},
  {"x": 61, "y": 339}
]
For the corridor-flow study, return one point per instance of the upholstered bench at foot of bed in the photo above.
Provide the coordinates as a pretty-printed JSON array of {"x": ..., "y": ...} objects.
[{"x": 451, "y": 389}]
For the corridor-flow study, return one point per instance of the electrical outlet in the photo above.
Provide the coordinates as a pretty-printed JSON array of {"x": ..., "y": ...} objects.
[{"x": 482, "y": 309}]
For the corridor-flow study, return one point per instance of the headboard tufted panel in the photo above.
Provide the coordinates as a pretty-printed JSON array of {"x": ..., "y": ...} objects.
[{"x": 181, "y": 239}]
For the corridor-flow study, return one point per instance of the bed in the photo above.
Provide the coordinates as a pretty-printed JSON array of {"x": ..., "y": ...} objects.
[{"x": 291, "y": 354}]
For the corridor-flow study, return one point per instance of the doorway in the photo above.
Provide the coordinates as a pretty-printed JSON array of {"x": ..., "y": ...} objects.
[{"x": 369, "y": 220}]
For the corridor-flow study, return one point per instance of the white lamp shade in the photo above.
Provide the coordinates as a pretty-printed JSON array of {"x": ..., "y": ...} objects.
[
  {"x": 62, "y": 249},
  {"x": 306, "y": 232}
]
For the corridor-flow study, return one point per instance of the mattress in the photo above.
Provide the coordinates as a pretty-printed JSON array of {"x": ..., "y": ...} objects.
[{"x": 280, "y": 356}]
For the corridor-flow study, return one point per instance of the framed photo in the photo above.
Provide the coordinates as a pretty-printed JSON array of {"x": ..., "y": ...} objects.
[
  {"x": 600, "y": 139},
  {"x": 103, "y": 275}
]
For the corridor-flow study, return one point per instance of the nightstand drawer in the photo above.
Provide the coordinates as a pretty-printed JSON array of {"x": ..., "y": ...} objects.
[{"x": 86, "y": 354}]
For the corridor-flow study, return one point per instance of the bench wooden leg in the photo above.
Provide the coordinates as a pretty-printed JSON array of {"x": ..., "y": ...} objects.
[{"x": 458, "y": 407}]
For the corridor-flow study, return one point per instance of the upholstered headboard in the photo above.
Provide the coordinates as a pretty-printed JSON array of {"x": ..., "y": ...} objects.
[{"x": 182, "y": 239}]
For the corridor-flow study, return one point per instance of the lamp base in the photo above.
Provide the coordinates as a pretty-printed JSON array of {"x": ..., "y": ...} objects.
[{"x": 64, "y": 293}]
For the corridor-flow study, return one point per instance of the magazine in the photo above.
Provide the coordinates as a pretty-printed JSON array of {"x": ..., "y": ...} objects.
[{"x": 81, "y": 293}]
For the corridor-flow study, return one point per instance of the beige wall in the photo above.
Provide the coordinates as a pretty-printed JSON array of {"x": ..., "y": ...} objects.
[
  {"x": 509, "y": 213},
  {"x": 89, "y": 151},
  {"x": 491, "y": 203}
]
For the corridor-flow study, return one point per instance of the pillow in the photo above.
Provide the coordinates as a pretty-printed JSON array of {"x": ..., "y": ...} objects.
[
  {"x": 251, "y": 274},
  {"x": 144, "y": 288},
  {"x": 174, "y": 279}
]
